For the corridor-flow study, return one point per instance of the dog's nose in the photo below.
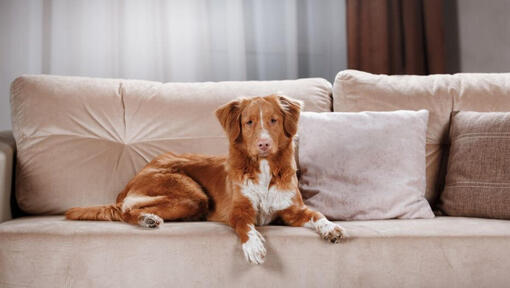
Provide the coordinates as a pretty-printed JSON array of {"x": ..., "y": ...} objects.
[{"x": 264, "y": 144}]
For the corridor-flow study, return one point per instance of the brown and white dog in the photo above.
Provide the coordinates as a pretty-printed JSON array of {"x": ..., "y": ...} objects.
[{"x": 254, "y": 185}]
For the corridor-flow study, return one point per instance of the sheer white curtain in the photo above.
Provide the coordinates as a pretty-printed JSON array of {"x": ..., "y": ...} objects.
[{"x": 184, "y": 40}]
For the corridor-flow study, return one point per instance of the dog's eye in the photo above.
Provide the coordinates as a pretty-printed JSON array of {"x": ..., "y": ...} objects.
[
  {"x": 249, "y": 122},
  {"x": 273, "y": 120}
]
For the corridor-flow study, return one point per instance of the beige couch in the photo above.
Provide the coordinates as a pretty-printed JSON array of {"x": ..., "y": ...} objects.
[{"x": 79, "y": 140}]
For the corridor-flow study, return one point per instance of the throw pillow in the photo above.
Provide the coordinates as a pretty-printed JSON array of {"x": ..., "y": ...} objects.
[
  {"x": 478, "y": 174},
  {"x": 365, "y": 165}
]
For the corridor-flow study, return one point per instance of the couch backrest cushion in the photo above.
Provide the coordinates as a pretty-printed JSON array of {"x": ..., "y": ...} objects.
[
  {"x": 80, "y": 140},
  {"x": 355, "y": 91},
  {"x": 481, "y": 92}
]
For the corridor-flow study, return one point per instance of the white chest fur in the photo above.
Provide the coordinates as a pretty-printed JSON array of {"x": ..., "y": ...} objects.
[{"x": 266, "y": 201}]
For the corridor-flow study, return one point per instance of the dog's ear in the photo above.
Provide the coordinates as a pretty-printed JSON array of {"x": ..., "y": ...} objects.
[
  {"x": 291, "y": 109},
  {"x": 229, "y": 116}
]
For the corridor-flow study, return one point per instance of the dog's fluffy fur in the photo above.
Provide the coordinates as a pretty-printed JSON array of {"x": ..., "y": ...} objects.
[{"x": 254, "y": 185}]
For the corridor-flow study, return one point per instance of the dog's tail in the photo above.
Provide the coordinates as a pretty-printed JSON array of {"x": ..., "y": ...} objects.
[{"x": 100, "y": 213}]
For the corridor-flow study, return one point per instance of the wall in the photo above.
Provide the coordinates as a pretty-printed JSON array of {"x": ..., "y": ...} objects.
[{"x": 484, "y": 35}]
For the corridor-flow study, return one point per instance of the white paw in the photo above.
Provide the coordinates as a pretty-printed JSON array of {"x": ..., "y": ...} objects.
[
  {"x": 328, "y": 230},
  {"x": 254, "y": 250},
  {"x": 149, "y": 220}
]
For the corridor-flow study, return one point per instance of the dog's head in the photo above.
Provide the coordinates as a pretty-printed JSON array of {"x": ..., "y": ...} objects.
[{"x": 260, "y": 126}]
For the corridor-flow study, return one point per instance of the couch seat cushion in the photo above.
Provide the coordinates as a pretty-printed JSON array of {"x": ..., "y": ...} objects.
[{"x": 442, "y": 252}]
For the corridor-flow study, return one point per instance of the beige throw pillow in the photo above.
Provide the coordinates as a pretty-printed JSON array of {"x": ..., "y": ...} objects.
[
  {"x": 366, "y": 165},
  {"x": 478, "y": 176}
]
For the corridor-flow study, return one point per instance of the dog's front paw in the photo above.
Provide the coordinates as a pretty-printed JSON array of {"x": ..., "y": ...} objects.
[
  {"x": 254, "y": 250},
  {"x": 329, "y": 230}
]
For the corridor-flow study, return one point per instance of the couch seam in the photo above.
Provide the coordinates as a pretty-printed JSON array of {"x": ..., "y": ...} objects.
[{"x": 122, "y": 100}]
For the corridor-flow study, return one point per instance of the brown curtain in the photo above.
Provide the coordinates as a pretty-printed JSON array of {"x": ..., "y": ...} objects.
[{"x": 396, "y": 36}]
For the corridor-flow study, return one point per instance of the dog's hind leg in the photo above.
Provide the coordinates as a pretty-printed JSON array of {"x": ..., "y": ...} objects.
[
  {"x": 172, "y": 197},
  {"x": 166, "y": 209}
]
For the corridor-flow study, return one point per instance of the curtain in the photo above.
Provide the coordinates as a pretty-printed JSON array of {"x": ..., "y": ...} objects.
[
  {"x": 396, "y": 36},
  {"x": 185, "y": 40}
]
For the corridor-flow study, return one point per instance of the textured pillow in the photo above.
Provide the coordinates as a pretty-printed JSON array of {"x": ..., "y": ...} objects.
[
  {"x": 367, "y": 165},
  {"x": 478, "y": 175}
]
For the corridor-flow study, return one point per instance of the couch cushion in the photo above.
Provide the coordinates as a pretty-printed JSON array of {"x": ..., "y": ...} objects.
[
  {"x": 477, "y": 180},
  {"x": 364, "y": 165},
  {"x": 442, "y": 252},
  {"x": 80, "y": 140},
  {"x": 355, "y": 91},
  {"x": 481, "y": 92}
]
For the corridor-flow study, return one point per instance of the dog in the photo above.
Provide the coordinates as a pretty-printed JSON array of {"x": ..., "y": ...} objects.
[{"x": 254, "y": 185}]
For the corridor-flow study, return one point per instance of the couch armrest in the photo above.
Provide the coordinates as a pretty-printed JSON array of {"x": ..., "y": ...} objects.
[{"x": 7, "y": 150}]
